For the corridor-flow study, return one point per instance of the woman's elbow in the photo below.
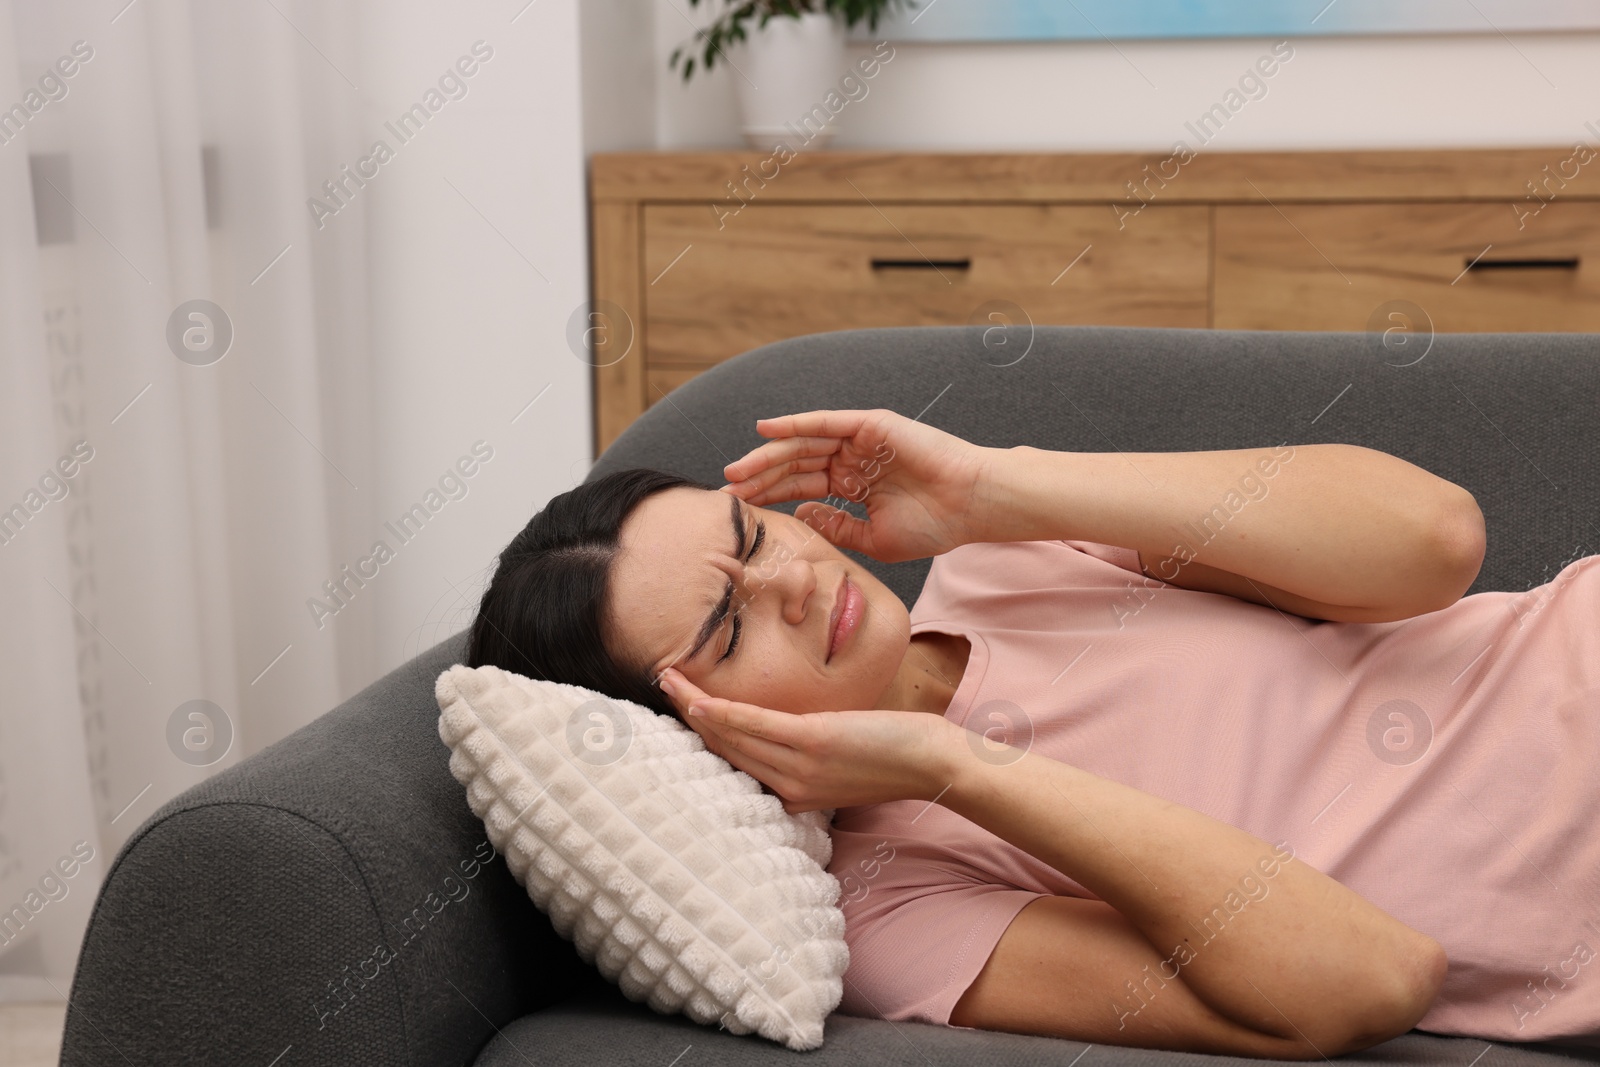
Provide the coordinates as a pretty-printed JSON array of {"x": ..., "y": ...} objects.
[
  {"x": 1463, "y": 541},
  {"x": 1448, "y": 560},
  {"x": 1410, "y": 987}
]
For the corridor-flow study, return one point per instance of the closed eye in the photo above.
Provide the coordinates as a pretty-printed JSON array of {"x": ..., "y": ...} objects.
[{"x": 738, "y": 621}]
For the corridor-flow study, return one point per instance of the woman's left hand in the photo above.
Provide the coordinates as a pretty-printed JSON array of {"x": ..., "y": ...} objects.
[
  {"x": 925, "y": 491},
  {"x": 826, "y": 759}
]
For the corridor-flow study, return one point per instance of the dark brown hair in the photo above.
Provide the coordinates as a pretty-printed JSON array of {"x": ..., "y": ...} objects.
[{"x": 543, "y": 613}]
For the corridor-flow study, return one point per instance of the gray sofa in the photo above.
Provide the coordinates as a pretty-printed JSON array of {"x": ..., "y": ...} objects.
[{"x": 332, "y": 899}]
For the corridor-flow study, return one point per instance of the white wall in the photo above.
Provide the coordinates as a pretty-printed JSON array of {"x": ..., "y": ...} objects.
[
  {"x": 475, "y": 297},
  {"x": 619, "y": 74},
  {"x": 1338, "y": 92}
]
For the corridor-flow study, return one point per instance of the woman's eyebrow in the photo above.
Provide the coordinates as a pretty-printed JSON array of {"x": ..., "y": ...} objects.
[{"x": 720, "y": 612}]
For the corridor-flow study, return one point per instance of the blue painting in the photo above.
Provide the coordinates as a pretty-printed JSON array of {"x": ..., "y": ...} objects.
[{"x": 1033, "y": 20}]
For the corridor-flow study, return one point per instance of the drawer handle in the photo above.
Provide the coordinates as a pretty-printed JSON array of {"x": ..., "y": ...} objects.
[
  {"x": 879, "y": 263},
  {"x": 1547, "y": 263}
]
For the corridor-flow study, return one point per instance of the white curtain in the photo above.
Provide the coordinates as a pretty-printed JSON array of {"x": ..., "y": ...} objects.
[{"x": 165, "y": 514}]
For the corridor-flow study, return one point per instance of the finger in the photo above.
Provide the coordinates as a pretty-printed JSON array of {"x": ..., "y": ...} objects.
[
  {"x": 747, "y": 724},
  {"x": 824, "y": 423},
  {"x": 758, "y": 722},
  {"x": 771, "y": 755},
  {"x": 801, "y": 485},
  {"x": 774, "y": 453},
  {"x": 769, "y": 473},
  {"x": 672, "y": 683},
  {"x": 841, "y": 528},
  {"x": 761, "y": 771},
  {"x": 679, "y": 689}
]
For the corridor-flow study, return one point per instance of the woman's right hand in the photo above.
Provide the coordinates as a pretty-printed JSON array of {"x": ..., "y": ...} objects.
[
  {"x": 924, "y": 490},
  {"x": 825, "y": 759}
]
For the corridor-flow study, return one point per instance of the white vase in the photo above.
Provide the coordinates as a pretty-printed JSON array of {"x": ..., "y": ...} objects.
[{"x": 788, "y": 68}]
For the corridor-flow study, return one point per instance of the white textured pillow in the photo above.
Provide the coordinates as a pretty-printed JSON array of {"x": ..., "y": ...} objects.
[{"x": 666, "y": 866}]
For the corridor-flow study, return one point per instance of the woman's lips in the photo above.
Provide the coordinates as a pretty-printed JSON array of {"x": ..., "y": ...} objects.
[{"x": 848, "y": 607}]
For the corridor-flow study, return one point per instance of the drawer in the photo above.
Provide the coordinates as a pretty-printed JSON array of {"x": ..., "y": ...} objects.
[
  {"x": 774, "y": 270},
  {"x": 1332, "y": 266}
]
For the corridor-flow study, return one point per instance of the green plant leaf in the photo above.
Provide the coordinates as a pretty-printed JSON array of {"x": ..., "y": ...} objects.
[{"x": 732, "y": 25}]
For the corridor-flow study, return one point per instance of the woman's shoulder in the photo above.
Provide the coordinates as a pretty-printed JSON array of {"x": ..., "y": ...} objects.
[{"x": 972, "y": 573}]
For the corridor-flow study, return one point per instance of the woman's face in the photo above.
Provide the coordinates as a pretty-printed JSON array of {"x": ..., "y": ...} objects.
[{"x": 678, "y": 553}]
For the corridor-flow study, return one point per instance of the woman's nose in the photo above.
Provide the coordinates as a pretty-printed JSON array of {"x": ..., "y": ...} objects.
[
  {"x": 790, "y": 583},
  {"x": 800, "y": 584}
]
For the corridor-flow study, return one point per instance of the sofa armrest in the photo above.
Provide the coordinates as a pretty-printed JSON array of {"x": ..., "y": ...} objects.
[
  {"x": 207, "y": 946},
  {"x": 329, "y": 900}
]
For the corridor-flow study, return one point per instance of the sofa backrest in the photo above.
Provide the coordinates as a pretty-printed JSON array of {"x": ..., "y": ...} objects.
[
  {"x": 1511, "y": 417},
  {"x": 329, "y": 898}
]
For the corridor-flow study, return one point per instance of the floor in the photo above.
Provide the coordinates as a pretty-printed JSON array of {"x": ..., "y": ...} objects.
[{"x": 30, "y": 1034}]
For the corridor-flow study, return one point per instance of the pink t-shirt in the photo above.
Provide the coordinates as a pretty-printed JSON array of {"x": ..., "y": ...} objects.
[{"x": 1445, "y": 767}]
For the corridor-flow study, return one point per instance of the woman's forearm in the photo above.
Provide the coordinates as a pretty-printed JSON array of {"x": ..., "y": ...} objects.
[
  {"x": 1268, "y": 942},
  {"x": 1341, "y": 524}
]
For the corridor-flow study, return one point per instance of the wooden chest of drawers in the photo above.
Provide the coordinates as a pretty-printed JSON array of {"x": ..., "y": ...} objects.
[{"x": 698, "y": 257}]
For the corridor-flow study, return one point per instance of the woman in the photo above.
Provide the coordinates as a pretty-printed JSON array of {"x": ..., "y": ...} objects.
[{"x": 1115, "y": 777}]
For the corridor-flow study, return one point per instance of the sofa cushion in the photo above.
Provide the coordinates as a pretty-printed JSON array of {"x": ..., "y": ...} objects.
[{"x": 605, "y": 1029}]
